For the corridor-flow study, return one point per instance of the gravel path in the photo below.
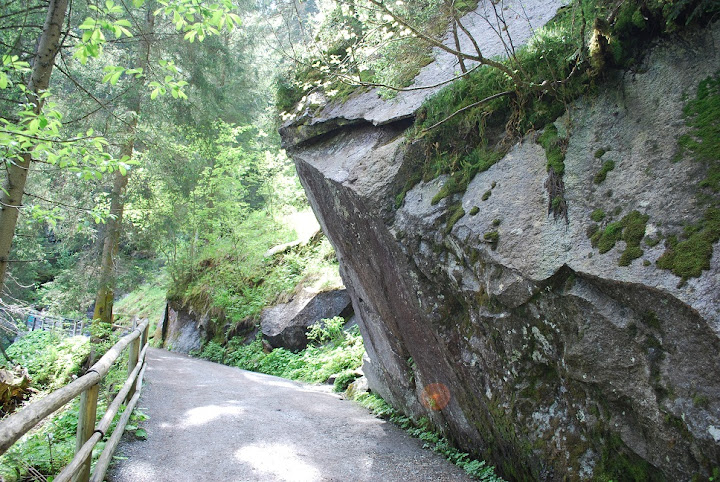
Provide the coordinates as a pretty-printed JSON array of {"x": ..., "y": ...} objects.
[{"x": 210, "y": 422}]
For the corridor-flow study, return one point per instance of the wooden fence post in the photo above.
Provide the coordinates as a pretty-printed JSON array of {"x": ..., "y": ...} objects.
[
  {"x": 145, "y": 336},
  {"x": 86, "y": 427},
  {"x": 133, "y": 356}
]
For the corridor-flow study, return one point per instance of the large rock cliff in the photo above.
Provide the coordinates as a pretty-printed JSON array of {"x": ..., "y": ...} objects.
[{"x": 517, "y": 337}]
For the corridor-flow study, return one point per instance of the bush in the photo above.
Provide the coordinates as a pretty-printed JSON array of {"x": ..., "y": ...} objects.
[{"x": 213, "y": 351}]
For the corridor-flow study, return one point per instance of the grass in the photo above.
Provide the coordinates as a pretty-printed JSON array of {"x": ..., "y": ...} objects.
[
  {"x": 146, "y": 301},
  {"x": 234, "y": 285}
]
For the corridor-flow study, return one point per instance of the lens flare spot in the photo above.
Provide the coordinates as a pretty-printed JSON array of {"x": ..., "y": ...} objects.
[{"x": 435, "y": 396}]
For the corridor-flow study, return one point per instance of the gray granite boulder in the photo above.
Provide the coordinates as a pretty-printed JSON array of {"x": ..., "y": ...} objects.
[
  {"x": 537, "y": 352},
  {"x": 285, "y": 325}
]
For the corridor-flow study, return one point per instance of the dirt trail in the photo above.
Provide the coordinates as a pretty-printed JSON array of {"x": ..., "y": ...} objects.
[{"x": 210, "y": 422}]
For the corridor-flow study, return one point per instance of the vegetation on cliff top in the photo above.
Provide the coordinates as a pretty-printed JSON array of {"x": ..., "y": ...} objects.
[{"x": 487, "y": 109}]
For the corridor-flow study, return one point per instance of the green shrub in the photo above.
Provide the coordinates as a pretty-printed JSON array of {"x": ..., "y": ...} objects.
[
  {"x": 213, "y": 352},
  {"x": 326, "y": 330},
  {"x": 342, "y": 351}
]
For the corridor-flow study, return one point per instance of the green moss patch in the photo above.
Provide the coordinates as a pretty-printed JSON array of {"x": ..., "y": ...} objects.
[
  {"x": 554, "y": 146},
  {"x": 454, "y": 214},
  {"x": 607, "y": 166},
  {"x": 492, "y": 237},
  {"x": 597, "y": 215},
  {"x": 474, "y": 210},
  {"x": 688, "y": 258},
  {"x": 702, "y": 143},
  {"x": 479, "y": 160},
  {"x": 630, "y": 229}
]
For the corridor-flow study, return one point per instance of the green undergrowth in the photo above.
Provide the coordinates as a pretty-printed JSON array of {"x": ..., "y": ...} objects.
[
  {"x": 423, "y": 430},
  {"x": 52, "y": 361},
  {"x": 689, "y": 254},
  {"x": 233, "y": 282},
  {"x": 332, "y": 351},
  {"x": 50, "y": 358}
]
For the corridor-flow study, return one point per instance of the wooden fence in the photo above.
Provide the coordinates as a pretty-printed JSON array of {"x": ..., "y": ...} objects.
[
  {"x": 87, "y": 386},
  {"x": 38, "y": 321}
]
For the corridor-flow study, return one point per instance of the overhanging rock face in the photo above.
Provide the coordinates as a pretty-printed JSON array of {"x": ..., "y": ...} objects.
[{"x": 536, "y": 352}]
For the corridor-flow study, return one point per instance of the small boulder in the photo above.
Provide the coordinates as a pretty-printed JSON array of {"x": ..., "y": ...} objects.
[
  {"x": 357, "y": 388},
  {"x": 285, "y": 325}
]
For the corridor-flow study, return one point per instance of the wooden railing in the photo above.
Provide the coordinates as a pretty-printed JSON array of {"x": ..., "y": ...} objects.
[
  {"x": 39, "y": 321},
  {"x": 87, "y": 386}
]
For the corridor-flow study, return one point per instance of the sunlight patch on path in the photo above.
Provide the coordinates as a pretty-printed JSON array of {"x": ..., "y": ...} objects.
[
  {"x": 208, "y": 413},
  {"x": 281, "y": 461}
]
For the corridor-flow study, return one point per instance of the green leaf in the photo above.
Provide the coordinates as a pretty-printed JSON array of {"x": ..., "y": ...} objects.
[
  {"x": 141, "y": 434},
  {"x": 3, "y": 80},
  {"x": 122, "y": 169},
  {"x": 154, "y": 93},
  {"x": 88, "y": 24}
]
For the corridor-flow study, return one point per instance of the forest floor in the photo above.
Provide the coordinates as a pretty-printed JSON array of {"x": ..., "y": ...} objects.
[{"x": 213, "y": 422}]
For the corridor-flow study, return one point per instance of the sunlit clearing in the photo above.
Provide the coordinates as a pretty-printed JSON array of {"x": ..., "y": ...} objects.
[{"x": 281, "y": 461}]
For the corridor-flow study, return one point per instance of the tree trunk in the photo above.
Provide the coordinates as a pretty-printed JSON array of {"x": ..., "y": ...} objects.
[
  {"x": 105, "y": 295},
  {"x": 17, "y": 171}
]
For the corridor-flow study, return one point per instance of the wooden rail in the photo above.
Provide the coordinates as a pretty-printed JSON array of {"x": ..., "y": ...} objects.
[{"x": 87, "y": 386}]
